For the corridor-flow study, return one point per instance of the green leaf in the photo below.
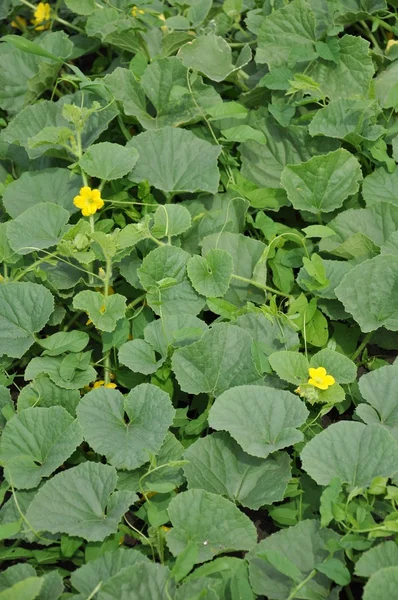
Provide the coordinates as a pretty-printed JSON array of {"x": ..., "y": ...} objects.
[
  {"x": 80, "y": 501},
  {"x": 322, "y": 183},
  {"x": 290, "y": 366},
  {"x": 165, "y": 262},
  {"x": 43, "y": 392},
  {"x": 261, "y": 419},
  {"x": 108, "y": 161},
  {"x": 71, "y": 372},
  {"x": 173, "y": 331},
  {"x": 86, "y": 578},
  {"x": 246, "y": 253},
  {"x": 24, "y": 310},
  {"x": 210, "y": 275},
  {"x": 38, "y": 227},
  {"x": 219, "y": 360},
  {"x": 181, "y": 149},
  {"x": 81, "y": 7},
  {"x": 127, "y": 445},
  {"x": 380, "y": 186},
  {"x": 104, "y": 312},
  {"x": 378, "y": 389},
  {"x": 336, "y": 364},
  {"x": 55, "y": 185},
  {"x": 5, "y": 403},
  {"x": 139, "y": 356},
  {"x": 303, "y": 546},
  {"x": 64, "y": 341},
  {"x": 211, "y": 55},
  {"x": 149, "y": 579},
  {"x": 335, "y": 570},
  {"x": 243, "y": 133},
  {"x": 25, "y": 45},
  {"x": 377, "y": 558},
  {"x": 171, "y": 220},
  {"x": 382, "y": 584},
  {"x": 36, "y": 442},
  {"x": 348, "y": 119},
  {"x": 287, "y": 35},
  {"x": 217, "y": 464},
  {"x": 264, "y": 164},
  {"x": 213, "y": 522},
  {"x": 343, "y": 450},
  {"x": 27, "y": 589},
  {"x": 376, "y": 305},
  {"x": 351, "y": 77}
]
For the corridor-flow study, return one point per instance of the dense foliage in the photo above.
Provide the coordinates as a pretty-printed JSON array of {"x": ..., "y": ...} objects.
[{"x": 199, "y": 299}]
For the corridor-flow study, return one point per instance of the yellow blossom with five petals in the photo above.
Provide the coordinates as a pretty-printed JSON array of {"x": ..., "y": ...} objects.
[
  {"x": 320, "y": 379},
  {"x": 42, "y": 16},
  {"x": 89, "y": 201}
]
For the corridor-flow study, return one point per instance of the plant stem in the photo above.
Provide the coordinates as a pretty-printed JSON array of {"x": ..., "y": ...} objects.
[
  {"x": 124, "y": 129},
  {"x": 382, "y": 24},
  {"x": 261, "y": 286},
  {"x": 370, "y": 35},
  {"x": 361, "y": 347},
  {"x": 298, "y": 587},
  {"x": 135, "y": 302},
  {"x": 107, "y": 356}
]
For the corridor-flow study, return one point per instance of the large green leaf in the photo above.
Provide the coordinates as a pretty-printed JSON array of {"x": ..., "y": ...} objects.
[
  {"x": 380, "y": 186},
  {"x": 173, "y": 330},
  {"x": 24, "y": 310},
  {"x": 351, "y": 75},
  {"x": 127, "y": 445},
  {"x": 147, "y": 580},
  {"x": 43, "y": 392},
  {"x": 221, "y": 359},
  {"x": 55, "y": 185},
  {"x": 102, "y": 569},
  {"x": 211, "y": 55},
  {"x": 36, "y": 442},
  {"x": 38, "y": 227},
  {"x": 212, "y": 522},
  {"x": 163, "y": 263},
  {"x": 27, "y": 589},
  {"x": 217, "y": 464},
  {"x": 382, "y": 584},
  {"x": 286, "y": 558},
  {"x": 269, "y": 333},
  {"x": 379, "y": 388},
  {"x": 379, "y": 557},
  {"x": 264, "y": 163},
  {"x": 261, "y": 419},
  {"x": 322, "y": 183},
  {"x": 375, "y": 305},
  {"x": 108, "y": 161},
  {"x": 172, "y": 169},
  {"x": 171, "y": 220},
  {"x": 287, "y": 35},
  {"x": 80, "y": 501},
  {"x": 165, "y": 83},
  {"x": 347, "y": 119},
  {"x": 354, "y": 452},
  {"x": 374, "y": 224}
]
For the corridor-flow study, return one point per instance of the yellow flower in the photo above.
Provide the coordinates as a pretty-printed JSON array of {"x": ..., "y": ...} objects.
[
  {"x": 19, "y": 23},
  {"x": 136, "y": 12},
  {"x": 42, "y": 16},
  {"x": 101, "y": 383},
  {"x": 390, "y": 44},
  {"x": 320, "y": 379},
  {"x": 89, "y": 201}
]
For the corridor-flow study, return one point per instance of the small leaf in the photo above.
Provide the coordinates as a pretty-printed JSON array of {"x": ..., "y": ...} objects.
[
  {"x": 171, "y": 220},
  {"x": 104, "y": 312},
  {"x": 108, "y": 161},
  {"x": 211, "y": 274},
  {"x": 139, "y": 356},
  {"x": 38, "y": 227}
]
